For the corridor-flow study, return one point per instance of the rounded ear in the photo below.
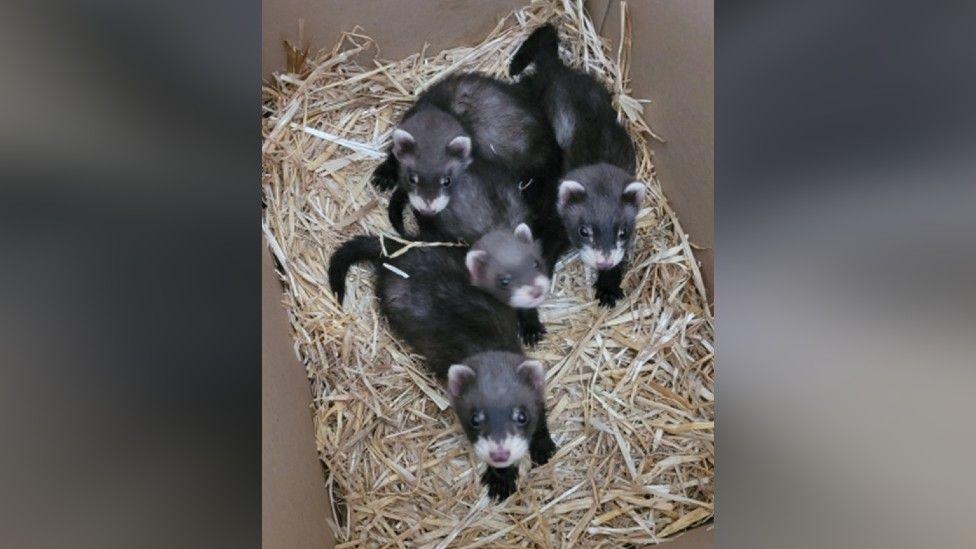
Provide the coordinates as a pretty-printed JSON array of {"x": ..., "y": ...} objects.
[
  {"x": 634, "y": 193},
  {"x": 403, "y": 143},
  {"x": 534, "y": 372},
  {"x": 569, "y": 192},
  {"x": 459, "y": 377},
  {"x": 523, "y": 233},
  {"x": 477, "y": 263},
  {"x": 460, "y": 147}
]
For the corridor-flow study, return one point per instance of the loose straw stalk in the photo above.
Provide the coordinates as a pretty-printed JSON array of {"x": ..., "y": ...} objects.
[{"x": 631, "y": 390}]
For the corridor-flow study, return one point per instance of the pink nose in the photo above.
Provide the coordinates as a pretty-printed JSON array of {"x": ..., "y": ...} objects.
[
  {"x": 536, "y": 292},
  {"x": 499, "y": 455},
  {"x": 604, "y": 263}
]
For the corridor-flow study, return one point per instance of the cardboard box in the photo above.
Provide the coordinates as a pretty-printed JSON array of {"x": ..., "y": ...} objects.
[{"x": 672, "y": 64}]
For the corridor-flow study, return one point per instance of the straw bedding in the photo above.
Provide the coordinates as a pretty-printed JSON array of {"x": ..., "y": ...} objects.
[{"x": 629, "y": 389}]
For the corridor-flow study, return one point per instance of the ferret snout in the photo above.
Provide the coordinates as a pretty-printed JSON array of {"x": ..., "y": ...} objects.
[
  {"x": 602, "y": 260},
  {"x": 428, "y": 206},
  {"x": 532, "y": 295},
  {"x": 501, "y": 453}
]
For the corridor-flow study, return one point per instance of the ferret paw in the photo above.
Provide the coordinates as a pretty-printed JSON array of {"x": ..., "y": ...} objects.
[
  {"x": 541, "y": 450},
  {"x": 500, "y": 482},
  {"x": 385, "y": 175},
  {"x": 532, "y": 333},
  {"x": 608, "y": 296}
]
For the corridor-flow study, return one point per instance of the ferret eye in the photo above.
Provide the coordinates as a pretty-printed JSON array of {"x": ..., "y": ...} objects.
[
  {"x": 476, "y": 419},
  {"x": 445, "y": 181},
  {"x": 622, "y": 233},
  {"x": 414, "y": 178},
  {"x": 504, "y": 281},
  {"x": 520, "y": 417},
  {"x": 585, "y": 231},
  {"x": 536, "y": 265}
]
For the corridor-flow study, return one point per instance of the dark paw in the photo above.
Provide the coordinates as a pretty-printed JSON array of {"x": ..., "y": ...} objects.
[
  {"x": 532, "y": 333},
  {"x": 385, "y": 175},
  {"x": 383, "y": 181},
  {"x": 500, "y": 482},
  {"x": 542, "y": 450},
  {"x": 609, "y": 297}
]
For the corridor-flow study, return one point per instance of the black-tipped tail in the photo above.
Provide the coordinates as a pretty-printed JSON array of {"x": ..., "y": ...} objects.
[
  {"x": 354, "y": 250},
  {"x": 540, "y": 47}
]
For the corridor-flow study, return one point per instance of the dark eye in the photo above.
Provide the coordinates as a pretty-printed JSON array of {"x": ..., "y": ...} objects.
[
  {"x": 446, "y": 181},
  {"x": 520, "y": 417},
  {"x": 622, "y": 233},
  {"x": 413, "y": 178},
  {"x": 504, "y": 281},
  {"x": 476, "y": 419},
  {"x": 536, "y": 265},
  {"x": 584, "y": 231}
]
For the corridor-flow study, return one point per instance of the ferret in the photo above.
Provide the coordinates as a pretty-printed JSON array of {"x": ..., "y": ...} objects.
[
  {"x": 456, "y": 194},
  {"x": 454, "y": 310},
  {"x": 498, "y": 122},
  {"x": 598, "y": 197}
]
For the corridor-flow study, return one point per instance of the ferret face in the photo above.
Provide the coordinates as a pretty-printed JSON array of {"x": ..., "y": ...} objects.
[
  {"x": 598, "y": 206},
  {"x": 509, "y": 266},
  {"x": 498, "y": 398},
  {"x": 432, "y": 151}
]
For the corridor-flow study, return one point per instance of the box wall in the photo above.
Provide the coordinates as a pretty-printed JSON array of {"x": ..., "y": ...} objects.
[{"x": 294, "y": 502}]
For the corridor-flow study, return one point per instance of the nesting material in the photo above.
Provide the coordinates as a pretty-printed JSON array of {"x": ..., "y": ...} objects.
[{"x": 630, "y": 390}]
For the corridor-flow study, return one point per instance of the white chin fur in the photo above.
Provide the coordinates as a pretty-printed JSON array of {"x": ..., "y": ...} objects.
[
  {"x": 428, "y": 208},
  {"x": 522, "y": 296},
  {"x": 591, "y": 257},
  {"x": 515, "y": 445}
]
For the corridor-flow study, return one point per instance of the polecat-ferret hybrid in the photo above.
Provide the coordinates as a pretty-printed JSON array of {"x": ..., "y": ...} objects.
[
  {"x": 452, "y": 310},
  {"x": 598, "y": 198}
]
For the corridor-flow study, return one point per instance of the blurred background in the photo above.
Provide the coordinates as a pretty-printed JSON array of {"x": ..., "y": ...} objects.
[{"x": 844, "y": 261}]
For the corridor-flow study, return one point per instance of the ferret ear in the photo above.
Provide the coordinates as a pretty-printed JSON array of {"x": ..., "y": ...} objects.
[
  {"x": 634, "y": 193},
  {"x": 534, "y": 372},
  {"x": 477, "y": 263},
  {"x": 460, "y": 147},
  {"x": 403, "y": 143},
  {"x": 523, "y": 233},
  {"x": 570, "y": 192},
  {"x": 459, "y": 377}
]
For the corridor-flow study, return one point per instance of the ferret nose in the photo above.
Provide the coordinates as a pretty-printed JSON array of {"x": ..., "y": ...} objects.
[
  {"x": 604, "y": 262},
  {"x": 535, "y": 292},
  {"x": 499, "y": 454}
]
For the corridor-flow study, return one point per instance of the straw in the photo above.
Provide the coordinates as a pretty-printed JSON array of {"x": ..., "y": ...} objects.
[{"x": 630, "y": 390}]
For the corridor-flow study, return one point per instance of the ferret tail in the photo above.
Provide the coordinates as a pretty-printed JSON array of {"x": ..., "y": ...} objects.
[
  {"x": 354, "y": 250},
  {"x": 541, "y": 47},
  {"x": 398, "y": 203}
]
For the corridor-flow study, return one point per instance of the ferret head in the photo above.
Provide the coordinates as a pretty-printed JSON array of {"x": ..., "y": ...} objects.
[
  {"x": 509, "y": 266},
  {"x": 499, "y": 400},
  {"x": 432, "y": 150},
  {"x": 598, "y": 205}
]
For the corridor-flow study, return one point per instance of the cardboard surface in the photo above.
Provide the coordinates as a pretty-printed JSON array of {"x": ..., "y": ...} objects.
[
  {"x": 672, "y": 63},
  {"x": 399, "y": 27},
  {"x": 294, "y": 502}
]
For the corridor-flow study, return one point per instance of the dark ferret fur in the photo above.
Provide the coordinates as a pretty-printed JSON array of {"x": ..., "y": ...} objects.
[
  {"x": 597, "y": 199},
  {"x": 468, "y": 339}
]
